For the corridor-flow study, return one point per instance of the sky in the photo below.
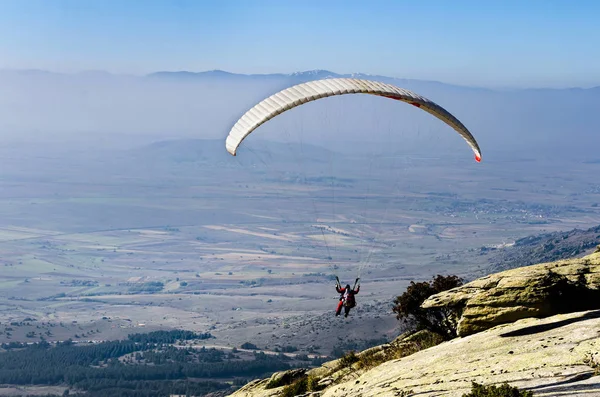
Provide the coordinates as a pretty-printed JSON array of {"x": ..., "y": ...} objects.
[{"x": 509, "y": 43}]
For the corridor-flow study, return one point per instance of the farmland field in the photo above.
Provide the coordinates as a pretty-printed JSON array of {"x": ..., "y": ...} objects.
[{"x": 247, "y": 251}]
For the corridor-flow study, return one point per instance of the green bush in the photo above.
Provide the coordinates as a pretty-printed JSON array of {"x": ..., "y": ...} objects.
[
  {"x": 300, "y": 386},
  {"x": 273, "y": 383},
  {"x": 313, "y": 383},
  {"x": 425, "y": 339},
  {"x": 348, "y": 360},
  {"x": 296, "y": 388},
  {"x": 504, "y": 390},
  {"x": 441, "y": 320},
  {"x": 411, "y": 344},
  {"x": 249, "y": 346},
  {"x": 370, "y": 360}
]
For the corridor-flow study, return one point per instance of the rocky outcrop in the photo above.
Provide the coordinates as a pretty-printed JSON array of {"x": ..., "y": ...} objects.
[
  {"x": 510, "y": 333},
  {"x": 533, "y": 291},
  {"x": 550, "y": 355},
  {"x": 557, "y": 355},
  {"x": 340, "y": 370}
]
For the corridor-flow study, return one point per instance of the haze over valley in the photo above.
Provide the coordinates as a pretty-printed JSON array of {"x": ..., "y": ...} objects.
[{"x": 158, "y": 227}]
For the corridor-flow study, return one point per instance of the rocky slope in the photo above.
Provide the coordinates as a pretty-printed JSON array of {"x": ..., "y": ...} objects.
[
  {"x": 557, "y": 354},
  {"x": 545, "y": 247},
  {"x": 532, "y": 291}
]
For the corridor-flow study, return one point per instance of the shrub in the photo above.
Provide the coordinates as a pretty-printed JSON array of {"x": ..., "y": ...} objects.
[
  {"x": 285, "y": 378},
  {"x": 313, "y": 383},
  {"x": 425, "y": 340},
  {"x": 371, "y": 360},
  {"x": 439, "y": 320},
  {"x": 300, "y": 386},
  {"x": 505, "y": 390},
  {"x": 411, "y": 344},
  {"x": 348, "y": 360},
  {"x": 275, "y": 382},
  {"x": 296, "y": 388},
  {"x": 593, "y": 363},
  {"x": 341, "y": 348}
]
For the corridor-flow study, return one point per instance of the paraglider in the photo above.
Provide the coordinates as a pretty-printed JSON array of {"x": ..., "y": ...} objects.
[
  {"x": 300, "y": 94},
  {"x": 306, "y": 92},
  {"x": 347, "y": 300}
]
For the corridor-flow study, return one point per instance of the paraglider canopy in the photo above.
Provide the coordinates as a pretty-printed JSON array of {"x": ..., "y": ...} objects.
[{"x": 313, "y": 90}]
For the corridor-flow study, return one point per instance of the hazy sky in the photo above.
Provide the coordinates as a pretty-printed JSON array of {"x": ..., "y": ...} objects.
[{"x": 490, "y": 43}]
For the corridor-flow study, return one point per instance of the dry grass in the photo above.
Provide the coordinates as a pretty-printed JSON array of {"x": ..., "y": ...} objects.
[
  {"x": 301, "y": 386},
  {"x": 589, "y": 360},
  {"x": 419, "y": 341}
]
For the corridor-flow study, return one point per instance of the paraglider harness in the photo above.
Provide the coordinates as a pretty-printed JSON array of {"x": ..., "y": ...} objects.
[{"x": 347, "y": 296}]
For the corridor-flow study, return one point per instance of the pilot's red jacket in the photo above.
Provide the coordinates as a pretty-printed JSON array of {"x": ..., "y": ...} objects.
[{"x": 347, "y": 294}]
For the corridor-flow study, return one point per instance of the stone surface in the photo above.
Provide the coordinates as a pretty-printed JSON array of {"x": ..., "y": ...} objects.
[
  {"x": 519, "y": 293},
  {"x": 551, "y": 354}
]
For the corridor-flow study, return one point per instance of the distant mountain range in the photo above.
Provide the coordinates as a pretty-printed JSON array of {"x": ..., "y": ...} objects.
[
  {"x": 204, "y": 105},
  {"x": 292, "y": 78},
  {"x": 297, "y": 77}
]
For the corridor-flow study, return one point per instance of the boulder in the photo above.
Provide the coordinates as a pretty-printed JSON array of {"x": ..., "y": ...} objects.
[{"x": 538, "y": 291}]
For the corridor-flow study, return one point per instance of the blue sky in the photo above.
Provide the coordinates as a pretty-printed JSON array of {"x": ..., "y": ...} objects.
[{"x": 509, "y": 43}]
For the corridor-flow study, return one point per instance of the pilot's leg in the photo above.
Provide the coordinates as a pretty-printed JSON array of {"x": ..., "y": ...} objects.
[{"x": 339, "y": 308}]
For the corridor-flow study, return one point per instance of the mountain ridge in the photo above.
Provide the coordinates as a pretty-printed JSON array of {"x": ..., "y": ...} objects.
[
  {"x": 306, "y": 75},
  {"x": 206, "y": 104}
]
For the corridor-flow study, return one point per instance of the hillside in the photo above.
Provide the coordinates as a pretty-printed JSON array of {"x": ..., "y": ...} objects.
[
  {"x": 545, "y": 247},
  {"x": 551, "y": 355}
]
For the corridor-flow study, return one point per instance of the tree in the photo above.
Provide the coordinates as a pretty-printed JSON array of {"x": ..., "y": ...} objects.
[
  {"x": 249, "y": 346},
  {"x": 439, "y": 320}
]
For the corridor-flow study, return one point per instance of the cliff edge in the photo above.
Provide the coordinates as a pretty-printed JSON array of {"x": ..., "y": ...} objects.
[{"x": 511, "y": 332}]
